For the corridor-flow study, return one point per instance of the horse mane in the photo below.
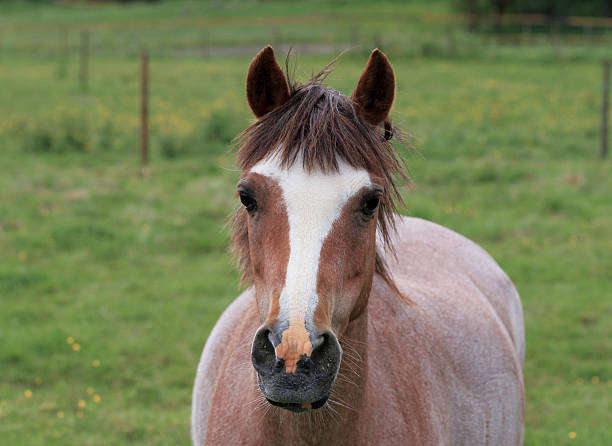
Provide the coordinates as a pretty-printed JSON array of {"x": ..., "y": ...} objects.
[{"x": 320, "y": 126}]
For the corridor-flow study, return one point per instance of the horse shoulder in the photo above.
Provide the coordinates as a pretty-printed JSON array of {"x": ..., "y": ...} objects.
[
  {"x": 458, "y": 335},
  {"x": 448, "y": 255},
  {"x": 404, "y": 404},
  {"x": 226, "y": 342}
]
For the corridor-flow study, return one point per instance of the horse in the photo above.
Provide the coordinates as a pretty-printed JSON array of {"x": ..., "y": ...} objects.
[{"x": 359, "y": 326}]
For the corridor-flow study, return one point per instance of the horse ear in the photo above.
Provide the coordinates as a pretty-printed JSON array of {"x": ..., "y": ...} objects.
[
  {"x": 266, "y": 85},
  {"x": 376, "y": 89}
]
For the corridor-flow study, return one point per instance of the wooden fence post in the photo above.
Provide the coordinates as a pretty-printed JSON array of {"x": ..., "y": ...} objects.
[
  {"x": 144, "y": 107},
  {"x": 62, "y": 53},
  {"x": 84, "y": 56},
  {"x": 604, "y": 108},
  {"x": 205, "y": 42},
  {"x": 556, "y": 39}
]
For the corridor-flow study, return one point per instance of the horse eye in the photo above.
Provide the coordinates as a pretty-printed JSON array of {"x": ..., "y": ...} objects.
[
  {"x": 370, "y": 205},
  {"x": 248, "y": 201}
]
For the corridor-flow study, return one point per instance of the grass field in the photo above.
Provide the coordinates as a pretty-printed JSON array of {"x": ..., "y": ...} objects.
[{"x": 110, "y": 281}]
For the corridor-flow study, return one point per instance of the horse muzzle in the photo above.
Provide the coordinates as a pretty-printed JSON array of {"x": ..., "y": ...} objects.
[{"x": 310, "y": 383}]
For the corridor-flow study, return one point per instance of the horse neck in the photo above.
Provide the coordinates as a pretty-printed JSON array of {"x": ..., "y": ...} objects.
[{"x": 339, "y": 419}]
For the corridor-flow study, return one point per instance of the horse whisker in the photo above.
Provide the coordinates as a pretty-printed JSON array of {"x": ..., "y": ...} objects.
[{"x": 337, "y": 400}]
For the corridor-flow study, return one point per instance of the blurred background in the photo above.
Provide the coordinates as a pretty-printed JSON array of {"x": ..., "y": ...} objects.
[{"x": 113, "y": 267}]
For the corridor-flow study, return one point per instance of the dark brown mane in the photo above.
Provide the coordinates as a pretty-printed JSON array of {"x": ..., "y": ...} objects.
[{"x": 320, "y": 126}]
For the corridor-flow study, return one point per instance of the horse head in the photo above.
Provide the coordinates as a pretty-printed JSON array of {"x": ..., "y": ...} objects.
[{"x": 316, "y": 187}]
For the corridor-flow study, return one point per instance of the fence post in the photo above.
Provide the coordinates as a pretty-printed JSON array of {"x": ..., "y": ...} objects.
[
  {"x": 144, "y": 107},
  {"x": 63, "y": 53},
  {"x": 556, "y": 38},
  {"x": 84, "y": 56},
  {"x": 205, "y": 43},
  {"x": 604, "y": 108},
  {"x": 525, "y": 34}
]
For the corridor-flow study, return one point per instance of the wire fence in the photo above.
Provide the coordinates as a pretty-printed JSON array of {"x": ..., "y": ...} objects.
[
  {"x": 444, "y": 35},
  {"x": 416, "y": 34}
]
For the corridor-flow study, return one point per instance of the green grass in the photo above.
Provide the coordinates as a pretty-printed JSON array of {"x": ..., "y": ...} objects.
[{"x": 135, "y": 269}]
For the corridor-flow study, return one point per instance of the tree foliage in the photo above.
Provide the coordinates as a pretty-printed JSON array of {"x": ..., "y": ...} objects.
[{"x": 552, "y": 8}]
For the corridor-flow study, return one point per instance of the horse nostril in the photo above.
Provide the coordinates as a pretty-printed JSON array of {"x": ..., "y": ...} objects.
[
  {"x": 262, "y": 355},
  {"x": 327, "y": 349}
]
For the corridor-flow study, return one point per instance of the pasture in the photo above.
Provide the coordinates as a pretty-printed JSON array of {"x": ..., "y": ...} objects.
[{"x": 110, "y": 280}]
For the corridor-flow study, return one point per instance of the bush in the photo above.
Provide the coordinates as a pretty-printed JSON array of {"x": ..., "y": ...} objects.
[
  {"x": 73, "y": 129},
  {"x": 220, "y": 127},
  {"x": 64, "y": 134},
  {"x": 173, "y": 146},
  {"x": 552, "y": 8}
]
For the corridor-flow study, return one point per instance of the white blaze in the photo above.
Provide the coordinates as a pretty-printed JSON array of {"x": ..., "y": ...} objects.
[{"x": 313, "y": 200}]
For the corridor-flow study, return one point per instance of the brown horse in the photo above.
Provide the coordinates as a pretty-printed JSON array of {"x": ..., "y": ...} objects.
[{"x": 360, "y": 327}]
